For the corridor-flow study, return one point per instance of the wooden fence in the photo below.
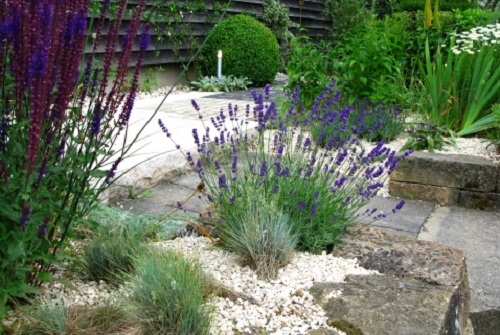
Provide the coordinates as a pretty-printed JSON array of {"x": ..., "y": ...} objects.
[{"x": 309, "y": 16}]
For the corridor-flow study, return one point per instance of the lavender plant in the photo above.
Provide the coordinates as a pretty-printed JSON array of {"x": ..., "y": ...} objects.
[
  {"x": 366, "y": 120},
  {"x": 320, "y": 189},
  {"x": 59, "y": 120}
]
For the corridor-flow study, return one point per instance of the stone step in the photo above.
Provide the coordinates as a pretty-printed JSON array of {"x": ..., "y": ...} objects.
[{"x": 449, "y": 180}]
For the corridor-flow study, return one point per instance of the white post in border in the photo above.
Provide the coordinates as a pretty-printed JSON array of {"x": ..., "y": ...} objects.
[{"x": 219, "y": 64}]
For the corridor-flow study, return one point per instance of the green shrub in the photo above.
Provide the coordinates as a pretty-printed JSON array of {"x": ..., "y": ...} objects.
[
  {"x": 463, "y": 20},
  {"x": 345, "y": 14},
  {"x": 369, "y": 60},
  {"x": 276, "y": 16},
  {"x": 249, "y": 50},
  {"x": 310, "y": 67},
  {"x": 169, "y": 293},
  {"x": 259, "y": 233},
  {"x": 383, "y": 8}
]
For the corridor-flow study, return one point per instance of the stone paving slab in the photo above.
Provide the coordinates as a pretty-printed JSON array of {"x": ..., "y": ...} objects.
[
  {"x": 408, "y": 221},
  {"x": 163, "y": 200},
  {"x": 478, "y": 234}
]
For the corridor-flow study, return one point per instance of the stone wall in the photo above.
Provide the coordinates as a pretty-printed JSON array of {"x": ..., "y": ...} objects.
[{"x": 449, "y": 180}]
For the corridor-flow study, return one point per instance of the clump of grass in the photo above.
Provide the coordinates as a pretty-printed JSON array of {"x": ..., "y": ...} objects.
[
  {"x": 169, "y": 294},
  {"x": 49, "y": 317},
  {"x": 111, "y": 255},
  {"x": 261, "y": 235},
  {"x": 143, "y": 226},
  {"x": 117, "y": 238}
]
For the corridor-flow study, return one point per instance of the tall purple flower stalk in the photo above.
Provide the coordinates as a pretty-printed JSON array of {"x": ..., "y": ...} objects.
[
  {"x": 59, "y": 122},
  {"x": 44, "y": 61}
]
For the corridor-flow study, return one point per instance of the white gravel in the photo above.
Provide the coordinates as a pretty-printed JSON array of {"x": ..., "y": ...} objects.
[{"x": 282, "y": 307}]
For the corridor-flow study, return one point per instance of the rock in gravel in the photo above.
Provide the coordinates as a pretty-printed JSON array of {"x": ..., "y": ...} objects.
[
  {"x": 375, "y": 305},
  {"x": 424, "y": 290}
]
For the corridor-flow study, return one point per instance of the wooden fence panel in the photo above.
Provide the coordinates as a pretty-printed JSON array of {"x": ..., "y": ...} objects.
[{"x": 309, "y": 16}]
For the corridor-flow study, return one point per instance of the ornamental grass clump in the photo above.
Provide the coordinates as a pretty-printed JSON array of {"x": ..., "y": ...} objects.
[
  {"x": 63, "y": 127},
  {"x": 110, "y": 255},
  {"x": 169, "y": 293},
  {"x": 56, "y": 317},
  {"x": 260, "y": 234},
  {"x": 320, "y": 189}
]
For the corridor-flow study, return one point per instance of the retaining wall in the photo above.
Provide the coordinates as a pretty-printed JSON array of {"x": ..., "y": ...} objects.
[{"x": 449, "y": 180}]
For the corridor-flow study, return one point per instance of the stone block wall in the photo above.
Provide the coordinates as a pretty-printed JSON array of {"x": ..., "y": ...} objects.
[{"x": 449, "y": 180}]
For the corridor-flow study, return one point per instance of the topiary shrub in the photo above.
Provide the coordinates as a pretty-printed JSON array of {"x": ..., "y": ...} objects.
[{"x": 249, "y": 50}]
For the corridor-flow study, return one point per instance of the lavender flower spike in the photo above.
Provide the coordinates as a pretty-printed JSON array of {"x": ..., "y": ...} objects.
[
  {"x": 195, "y": 105},
  {"x": 112, "y": 172}
]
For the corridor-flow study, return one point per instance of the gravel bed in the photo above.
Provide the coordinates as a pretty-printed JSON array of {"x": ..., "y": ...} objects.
[{"x": 282, "y": 307}]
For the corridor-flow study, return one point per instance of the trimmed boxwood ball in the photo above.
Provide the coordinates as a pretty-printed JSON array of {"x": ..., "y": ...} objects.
[{"x": 249, "y": 50}]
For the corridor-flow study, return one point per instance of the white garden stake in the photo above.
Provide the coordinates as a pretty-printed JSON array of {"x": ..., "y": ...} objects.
[{"x": 219, "y": 64}]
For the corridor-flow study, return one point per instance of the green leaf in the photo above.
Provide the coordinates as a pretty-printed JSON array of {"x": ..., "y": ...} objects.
[
  {"x": 430, "y": 141},
  {"x": 99, "y": 173},
  {"x": 146, "y": 193},
  {"x": 15, "y": 251}
]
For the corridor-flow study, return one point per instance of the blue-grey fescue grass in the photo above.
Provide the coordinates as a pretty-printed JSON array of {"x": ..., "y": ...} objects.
[
  {"x": 110, "y": 255},
  {"x": 261, "y": 235},
  {"x": 169, "y": 294}
]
